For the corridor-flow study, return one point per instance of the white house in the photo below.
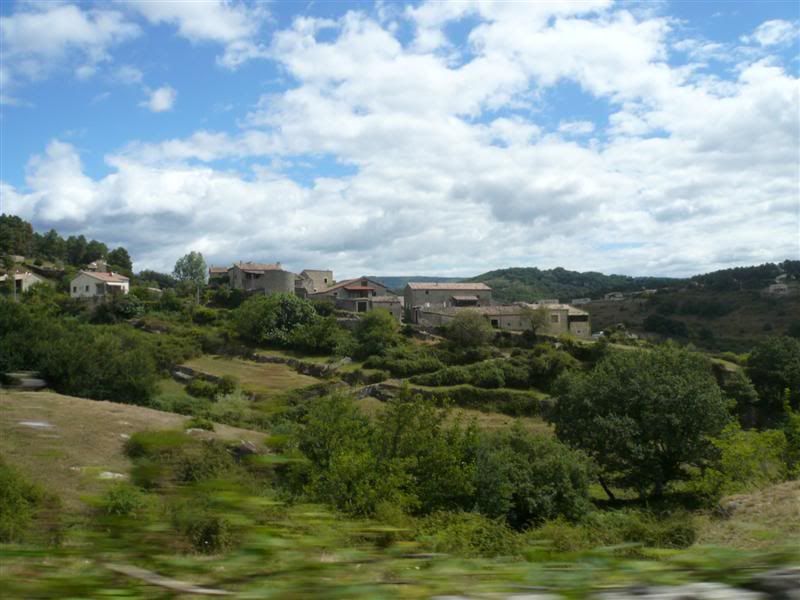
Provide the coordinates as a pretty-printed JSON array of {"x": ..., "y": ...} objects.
[
  {"x": 23, "y": 281},
  {"x": 98, "y": 286}
]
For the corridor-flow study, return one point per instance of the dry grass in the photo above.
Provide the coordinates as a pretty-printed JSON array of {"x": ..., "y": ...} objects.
[
  {"x": 261, "y": 378},
  {"x": 760, "y": 519},
  {"x": 83, "y": 438}
]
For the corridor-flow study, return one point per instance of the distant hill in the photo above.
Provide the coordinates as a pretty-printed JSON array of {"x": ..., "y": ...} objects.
[
  {"x": 527, "y": 284},
  {"x": 398, "y": 282}
]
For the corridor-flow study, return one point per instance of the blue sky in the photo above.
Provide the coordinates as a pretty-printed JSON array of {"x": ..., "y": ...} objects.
[{"x": 429, "y": 138}]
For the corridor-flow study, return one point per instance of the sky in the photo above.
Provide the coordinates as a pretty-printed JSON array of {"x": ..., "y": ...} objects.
[{"x": 430, "y": 138}]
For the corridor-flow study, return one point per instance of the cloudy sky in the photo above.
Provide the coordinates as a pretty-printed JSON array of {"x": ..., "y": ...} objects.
[{"x": 443, "y": 138}]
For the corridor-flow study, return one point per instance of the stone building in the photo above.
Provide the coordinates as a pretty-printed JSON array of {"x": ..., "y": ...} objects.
[
  {"x": 425, "y": 296},
  {"x": 258, "y": 277},
  {"x": 312, "y": 281},
  {"x": 553, "y": 319},
  {"x": 361, "y": 294}
]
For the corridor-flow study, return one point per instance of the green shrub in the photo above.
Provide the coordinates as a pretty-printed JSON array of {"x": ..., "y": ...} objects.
[
  {"x": 200, "y": 388},
  {"x": 203, "y": 315},
  {"x": 376, "y": 333},
  {"x": 153, "y": 443},
  {"x": 200, "y": 423},
  {"x": 487, "y": 375},
  {"x": 206, "y": 531},
  {"x": 321, "y": 336},
  {"x": 208, "y": 459},
  {"x": 227, "y": 385},
  {"x": 271, "y": 319},
  {"x": 19, "y": 501},
  {"x": 405, "y": 361},
  {"x": 122, "y": 500},
  {"x": 529, "y": 479},
  {"x": 467, "y": 534}
]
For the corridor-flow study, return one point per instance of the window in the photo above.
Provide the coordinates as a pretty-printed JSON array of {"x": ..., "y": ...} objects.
[
  {"x": 325, "y": 280},
  {"x": 87, "y": 288},
  {"x": 75, "y": 289},
  {"x": 374, "y": 293},
  {"x": 554, "y": 318},
  {"x": 495, "y": 324},
  {"x": 426, "y": 292}
]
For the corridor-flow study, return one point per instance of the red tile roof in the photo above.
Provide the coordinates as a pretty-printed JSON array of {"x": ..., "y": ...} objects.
[{"x": 107, "y": 277}]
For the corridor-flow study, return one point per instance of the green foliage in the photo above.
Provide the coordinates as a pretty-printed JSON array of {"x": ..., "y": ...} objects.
[
  {"x": 642, "y": 416},
  {"x": 774, "y": 366},
  {"x": 19, "y": 500},
  {"x": 121, "y": 260},
  {"x": 746, "y": 460},
  {"x": 376, "y": 333},
  {"x": 122, "y": 500},
  {"x": 665, "y": 326},
  {"x": 200, "y": 423},
  {"x": 405, "y": 360},
  {"x": 528, "y": 479},
  {"x": 206, "y": 531},
  {"x": 163, "y": 281},
  {"x": 200, "y": 388},
  {"x": 515, "y": 403},
  {"x": 468, "y": 534},
  {"x": 227, "y": 385},
  {"x": 271, "y": 319},
  {"x": 469, "y": 329},
  {"x": 321, "y": 336},
  {"x": 16, "y": 235}
]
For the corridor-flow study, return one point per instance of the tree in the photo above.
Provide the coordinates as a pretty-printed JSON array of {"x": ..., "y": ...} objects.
[
  {"x": 191, "y": 268},
  {"x": 271, "y": 319},
  {"x": 469, "y": 329},
  {"x": 76, "y": 250},
  {"x": 375, "y": 333},
  {"x": 94, "y": 251},
  {"x": 16, "y": 235},
  {"x": 774, "y": 366},
  {"x": 120, "y": 258},
  {"x": 642, "y": 416},
  {"x": 527, "y": 478}
]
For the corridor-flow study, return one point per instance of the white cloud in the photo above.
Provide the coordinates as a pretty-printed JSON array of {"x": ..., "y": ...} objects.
[
  {"x": 693, "y": 172},
  {"x": 234, "y": 25},
  {"x": 161, "y": 99},
  {"x": 128, "y": 75},
  {"x": 576, "y": 127},
  {"x": 43, "y": 36},
  {"x": 773, "y": 33}
]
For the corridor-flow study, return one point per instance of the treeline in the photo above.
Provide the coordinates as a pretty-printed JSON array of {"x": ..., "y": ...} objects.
[
  {"x": 749, "y": 278},
  {"x": 531, "y": 283},
  {"x": 17, "y": 237}
]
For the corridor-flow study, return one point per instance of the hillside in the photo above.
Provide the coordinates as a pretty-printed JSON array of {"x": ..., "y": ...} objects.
[
  {"x": 710, "y": 319},
  {"x": 75, "y": 445},
  {"x": 527, "y": 284}
]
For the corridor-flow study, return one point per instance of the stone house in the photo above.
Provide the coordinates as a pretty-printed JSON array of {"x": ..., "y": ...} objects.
[
  {"x": 425, "y": 296},
  {"x": 312, "y": 281},
  {"x": 23, "y": 281},
  {"x": 614, "y": 296},
  {"x": 558, "y": 319},
  {"x": 98, "y": 265},
  {"x": 361, "y": 294},
  {"x": 218, "y": 276},
  {"x": 98, "y": 286},
  {"x": 267, "y": 278}
]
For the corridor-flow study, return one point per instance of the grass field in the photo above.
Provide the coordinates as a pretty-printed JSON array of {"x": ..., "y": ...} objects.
[
  {"x": 68, "y": 445},
  {"x": 760, "y": 519},
  {"x": 261, "y": 378},
  {"x": 488, "y": 421}
]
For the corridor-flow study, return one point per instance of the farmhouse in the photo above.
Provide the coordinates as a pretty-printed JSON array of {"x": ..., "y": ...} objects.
[
  {"x": 217, "y": 276},
  {"x": 23, "y": 281},
  {"x": 424, "y": 296},
  {"x": 258, "y": 277},
  {"x": 361, "y": 294},
  {"x": 311, "y": 281},
  {"x": 551, "y": 319},
  {"x": 98, "y": 286}
]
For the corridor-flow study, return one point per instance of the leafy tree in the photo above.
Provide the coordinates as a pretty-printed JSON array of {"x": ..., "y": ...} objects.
[
  {"x": 665, "y": 326},
  {"x": 774, "y": 366},
  {"x": 76, "y": 250},
  {"x": 321, "y": 336},
  {"x": 376, "y": 333},
  {"x": 642, "y": 416},
  {"x": 50, "y": 245},
  {"x": 16, "y": 235},
  {"x": 163, "y": 281},
  {"x": 469, "y": 329},
  {"x": 94, "y": 251},
  {"x": 120, "y": 259},
  {"x": 528, "y": 479},
  {"x": 271, "y": 319},
  {"x": 191, "y": 268}
]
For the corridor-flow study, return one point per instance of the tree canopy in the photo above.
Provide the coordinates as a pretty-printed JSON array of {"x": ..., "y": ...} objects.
[
  {"x": 642, "y": 416},
  {"x": 469, "y": 329}
]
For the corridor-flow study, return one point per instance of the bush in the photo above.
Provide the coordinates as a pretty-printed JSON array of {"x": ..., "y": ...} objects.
[
  {"x": 487, "y": 375},
  {"x": 469, "y": 329},
  {"x": 200, "y": 388},
  {"x": 206, "y": 532},
  {"x": 376, "y": 333},
  {"x": 467, "y": 534},
  {"x": 271, "y": 319},
  {"x": 122, "y": 500},
  {"x": 19, "y": 501},
  {"x": 227, "y": 385},
  {"x": 199, "y": 423},
  {"x": 405, "y": 361},
  {"x": 529, "y": 479},
  {"x": 204, "y": 316},
  {"x": 322, "y": 336}
]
